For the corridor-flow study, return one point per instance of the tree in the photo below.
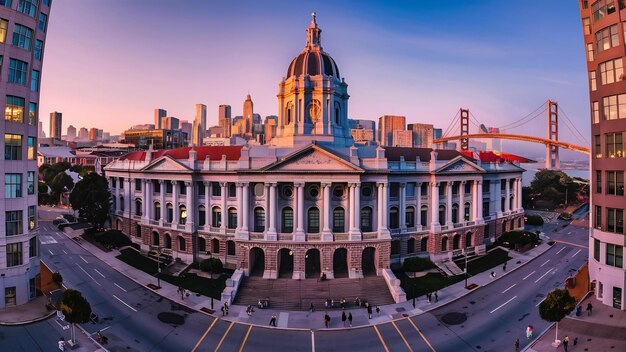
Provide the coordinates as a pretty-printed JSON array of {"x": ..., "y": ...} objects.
[
  {"x": 556, "y": 306},
  {"x": 75, "y": 308},
  {"x": 551, "y": 185},
  {"x": 92, "y": 198},
  {"x": 212, "y": 265}
]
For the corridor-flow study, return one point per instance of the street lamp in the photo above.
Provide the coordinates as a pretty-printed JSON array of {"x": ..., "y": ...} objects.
[
  {"x": 465, "y": 252},
  {"x": 159, "y": 267},
  {"x": 413, "y": 291}
]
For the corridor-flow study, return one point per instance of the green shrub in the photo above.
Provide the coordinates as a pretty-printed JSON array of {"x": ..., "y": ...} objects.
[
  {"x": 211, "y": 265},
  {"x": 517, "y": 239},
  {"x": 534, "y": 220},
  {"x": 113, "y": 238},
  {"x": 417, "y": 264}
]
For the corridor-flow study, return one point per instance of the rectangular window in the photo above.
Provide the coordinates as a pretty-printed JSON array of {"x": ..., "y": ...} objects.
[
  {"x": 586, "y": 26},
  {"x": 9, "y": 296},
  {"x": 610, "y": 71},
  {"x": 596, "y": 249},
  {"x": 602, "y": 8},
  {"x": 216, "y": 190},
  {"x": 31, "y": 153},
  {"x": 607, "y": 38},
  {"x": 22, "y": 36},
  {"x": 35, "y": 77},
  {"x": 598, "y": 181},
  {"x": 32, "y": 288},
  {"x": 14, "y": 110},
  {"x": 200, "y": 186},
  {"x": 120, "y": 182},
  {"x": 31, "y": 182},
  {"x": 14, "y": 254},
  {"x": 589, "y": 52},
  {"x": 615, "y": 183},
  {"x": 6, "y": 3},
  {"x": 46, "y": 2},
  {"x": 615, "y": 220},
  {"x": 4, "y": 25},
  {"x": 597, "y": 222},
  {"x": 410, "y": 189},
  {"x": 597, "y": 147},
  {"x": 12, "y": 185},
  {"x": 137, "y": 185},
  {"x": 614, "y": 255},
  {"x": 17, "y": 71},
  {"x": 31, "y": 217},
  {"x": 28, "y": 7},
  {"x": 168, "y": 187},
  {"x": 614, "y": 147},
  {"x": 595, "y": 112},
  {"x": 314, "y": 221},
  {"x": 614, "y": 107},
  {"x": 486, "y": 186},
  {"x": 12, "y": 146},
  {"x": 13, "y": 222},
  {"x": 182, "y": 188},
  {"x": 38, "y": 52},
  {"x": 43, "y": 21},
  {"x": 592, "y": 81},
  {"x": 32, "y": 114}
]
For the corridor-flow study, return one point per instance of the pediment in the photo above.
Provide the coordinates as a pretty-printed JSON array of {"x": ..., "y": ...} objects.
[
  {"x": 166, "y": 164},
  {"x": 313, "y": 159},
  {"x": 460, "y": 165}
]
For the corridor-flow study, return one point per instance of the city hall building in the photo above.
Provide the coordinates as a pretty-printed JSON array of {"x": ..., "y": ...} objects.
[{"x": 311, "y": 202}]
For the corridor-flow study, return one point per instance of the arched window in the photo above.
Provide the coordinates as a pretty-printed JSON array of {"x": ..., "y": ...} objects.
[
  {"x": 259, "y": 219},
  {"x": 288, "y": 113},
  {"x": 182, "y": 244},
  {"x": 503, "y": 226},
  {"x": 215, "y": 246},
  {"x": 201, "y": 215},
  {"x": 468, "y": 239},
  {"x": 232, "y": 218},
  {"x": 230, "y": 247},
  {"x": 201, "y": 244},
  {"x": 424, "y": 215},
  {"x": 168, "y": 241},
  {"x": 287, "y": 220},
  {"x": 170, "y": 212},
  {"x": 339, "y": 217},
  {"x": 424, "y": 244},
  {"x": 502, "y": 204},
  {"x": 455, "y": 213},
  {"x": 366, "y": 219},
  {"x": 511, "y": 203},
  {"x": 155, "y": 238},
  {"x": 216, "y": 217},
  {"x": 137, "y": 230},
  {"x": 182, "y": 215},
  {"x": 466, "y": 211},
  {"x": 456, "y": 241},
  {"x": 395, "y": 247},
  {"x": 394, "y": 222},
  {"x": 410, "y": 217},
  {"x": 444, "y": 244},
  {"x": 157, "y": 211},
  {"x": 121, "y": 203},
  {"x": 337, "y": 114},
  {"x": 313, "y": 220},
  {"x": 442, "y": 214},
  {"x": 410, "y": 245}
]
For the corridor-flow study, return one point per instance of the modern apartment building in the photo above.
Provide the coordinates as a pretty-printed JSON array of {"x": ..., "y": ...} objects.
[
  {"x": 56, "y": 125},
  {"x": 23, "y": 25},
  {"x": 604, "y": 43},
  {"x": 386, "y": 125}
]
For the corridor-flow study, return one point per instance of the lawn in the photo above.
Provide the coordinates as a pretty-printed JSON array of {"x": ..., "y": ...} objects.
[
  {"x": 135, "y": 259},
  {"x": 431, "y": 282},
  {"x": 192, "y": 282},
  {"x": 492, "y": 259}
]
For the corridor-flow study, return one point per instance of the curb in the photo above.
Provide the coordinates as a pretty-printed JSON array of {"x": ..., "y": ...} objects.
[{"x": 2, "y": 323}]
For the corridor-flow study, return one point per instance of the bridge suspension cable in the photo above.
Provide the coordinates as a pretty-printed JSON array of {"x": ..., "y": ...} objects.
[
  {"x": 452, "y": 126},
  {"x": 578, "y": 133},
  {"x": 521, "y": 121}
]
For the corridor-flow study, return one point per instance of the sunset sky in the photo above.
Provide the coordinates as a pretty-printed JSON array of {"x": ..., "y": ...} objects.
[{"x": 108, "y": 64}]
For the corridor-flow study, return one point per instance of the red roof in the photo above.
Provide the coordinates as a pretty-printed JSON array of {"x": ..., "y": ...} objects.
[
  {"x": 497, "y": 157},
  {"x": 411, "y": 154},
  {"x": 214, "y": 152}
]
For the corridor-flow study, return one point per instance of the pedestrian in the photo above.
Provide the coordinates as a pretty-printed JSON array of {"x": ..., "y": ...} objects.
[
  {"x": 273, "y": 321},
  {"x": 344, "y": 317},
  {"x": 565, "y": 342},
  {"x": 350, "y": 318},
  {"x": 62, "y": 344},
  {"x": 312, "y": 307},
  {"x": 223, "y": 311},
  {"x": 326, "y": 319},
  {"x": 575, "y": 341},
  {"x": 504, "y": 267},
  {"x": 529, "y": 331},
  {"x": 493, "y": 275},
  {"x": 357, "y": 302},
  {"x": 369, "y": 311},
  {"x": 589, "y": 308},
  {"x": 377, "y": 310},
  {"x": 428, "y": 296},
  {"x": 517, "y": 345},
  {"x": 579, "y": 311},
  {"x": 436, "y": 297},
  {"x": 226, "y": 307}
]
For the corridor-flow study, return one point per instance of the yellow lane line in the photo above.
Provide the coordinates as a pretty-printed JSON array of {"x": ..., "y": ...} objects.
[
  {"x": 245, "y": 338},
  {"x": 204, "y": 335},
  {"x": 422, "y": 335},
  {"x": 402, "y": 336},
  {"x": 381, "y": 338},
  {"x": 224, "y": 336}
]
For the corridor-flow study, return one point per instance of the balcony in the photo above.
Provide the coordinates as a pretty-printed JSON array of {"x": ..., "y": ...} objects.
[
  {"x": 285, "y": 236},
  {"x": 180, "y": 226},
  {"x": 154, "y": 222},
  {"x": 313, "y": 236}
]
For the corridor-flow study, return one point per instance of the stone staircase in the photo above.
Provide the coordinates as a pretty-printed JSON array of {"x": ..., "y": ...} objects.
[
  {"x": 288, "y": 294},
  {"x": 449, "y": 268}
]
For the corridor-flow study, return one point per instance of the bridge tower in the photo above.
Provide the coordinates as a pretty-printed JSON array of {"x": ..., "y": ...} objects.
[
  {"x": 464, "y": 129},
  {"x": 552, "y": 151}
]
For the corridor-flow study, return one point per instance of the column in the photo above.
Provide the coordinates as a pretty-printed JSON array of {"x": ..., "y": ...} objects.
[
  {"x": 418, "y": 210},
  {"x": 449, "y": 204},
  {"x": 128, "y": 202},
  {"x": 351, "y": 208},
  {"x": 147, "y": 200},
  {"x": 175, "y": 201},
  {"x": 266, "y": 187},
  {"x": 356, "y": 234},
  {"x": 191, "y": 211},
  {"x": 118, "y": 183},
  {"x": 239, "y": 206},
  {"x": 246, "y": 206},
  {"x": 402, "y": 210},
  {"x": 475, "y": 200},
  {"x": 479, "y": 201},
  {"x": 271, "y": 232},
  {"x": 498, "y": 198},
  {"x": 224, "y": 189},
  {"x": 386, "y": 206},
  {"x": 326, "y": 232},
  {"x": 207, "y": 204},
  {"x": 462, "y": 202},
  {"x": 507, "y": 195},
  {"x": 519, "y": 193},
  {"x": 434, "y": 206},
  {"x": 162, "y": 201},
  {"x": 383, "y": 230},
  {"x": 299, "y": 212}
]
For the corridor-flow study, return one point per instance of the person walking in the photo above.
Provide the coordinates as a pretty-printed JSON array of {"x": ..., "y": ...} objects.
[
  {"x": 504, "y": 267},
  {"x": 61, "y": 344},
  {"x": 428, "y": 296},
  {"x": 589, "y": 309},
  {"x": 350, "y": 318},
  {"x": 326, "y": 320},
  {"x": 312, "y": 307},
  {"x": 223, "y": 311},
  {"x": 369, "y": 311},
  {"x": 273, "y": 321},
  {"x": 517, "y": 345},
  {"x": 529, "y": 331},
  {"x": 565, "y": 342},
  {"x": 436, "y": 297},
  {"x": 344, "y": 317},
  {"x": 377, "y": 310}
]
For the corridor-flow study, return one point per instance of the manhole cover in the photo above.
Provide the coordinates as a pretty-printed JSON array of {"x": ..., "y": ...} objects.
[
  {"x": 171, "y": 318},
  {"x": 454, "y": 318}
]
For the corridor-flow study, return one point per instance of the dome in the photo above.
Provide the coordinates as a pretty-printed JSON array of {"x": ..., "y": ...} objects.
[{"x": 313, "y": 63}]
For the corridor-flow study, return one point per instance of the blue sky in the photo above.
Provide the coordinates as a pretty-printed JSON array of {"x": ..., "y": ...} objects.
[{"x": 108, "y": 64}]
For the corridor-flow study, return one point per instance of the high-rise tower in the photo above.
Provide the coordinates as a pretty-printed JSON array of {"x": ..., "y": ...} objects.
[
  {"x": 56, "y": 125},
  {"x": 22, "y": 39}
]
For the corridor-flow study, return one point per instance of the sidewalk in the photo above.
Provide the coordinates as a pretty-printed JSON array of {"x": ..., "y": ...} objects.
[
  {"x": 315, "y": 320},
  {"x": 27, "y": 313}
]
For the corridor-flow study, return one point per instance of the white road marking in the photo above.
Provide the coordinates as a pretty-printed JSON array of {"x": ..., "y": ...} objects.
[
  {"x": 81, "y": 268},
  {"x": 527, "y": 276},
  {"x": 120, "y": 287},
  {"x": 64, "y": 252},
  {"x": 126, "y": 304},
  {"x": 312, "y": 341},
  {"x": 544, "y": 263},
  {"x": 569, "y": 233},
  {"x": 509, "y": 288},
  {"x": 541, "y": 277},
  {"x": 537, "y": 305},
  {"x": 81, "y": 257},
  {"x": 560, "y": 250},
  {"x": 503, "y": 304},
  {"x": 50, "y": 252},
  {"x": 573, "y": 255},
  {"x": 99, "y": 273}
]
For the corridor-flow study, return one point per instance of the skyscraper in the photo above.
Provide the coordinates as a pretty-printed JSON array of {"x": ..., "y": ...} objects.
[
  {"x": 248, "y": 112},
  {"x": 422, "y": 134},
  {"x": 19, "y": 249},
  {"x": 71, "y": 133},
  {"x": 159, "y": 115},
  {"x": 199, "y": 125},
  {"x": 386, "y": 125},
  {"x": 83, "y": 134},
  {"x": 56, "y": 125},
  {"x": 224, "y": 119},
  {"x": 605, "y": 47}
]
